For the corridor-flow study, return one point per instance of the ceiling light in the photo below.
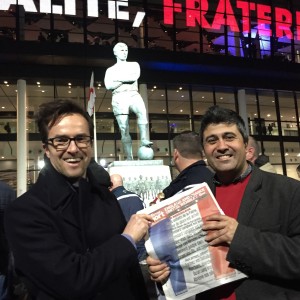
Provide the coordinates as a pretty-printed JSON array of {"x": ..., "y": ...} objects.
[
  {"x": 181, "y": 110},
  {"x": 154, "y": 87},
  {"x": 180, "y": 88},
  {"x": 70, "y": 92},
  {"x": 182, "y": 96},
  {"x": 5, "y": 82},
  {"x": 268, "y": 115},
  {"x": 203, "y": 97},
  {"x": 3, "y": 107},
  {"x": 38, "y": 83},
  {"x": 69, "y": 83}
]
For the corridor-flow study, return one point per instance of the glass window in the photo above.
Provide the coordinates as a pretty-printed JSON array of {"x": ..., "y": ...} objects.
[
  {"x": 179, "y": 108},
  {"x": 203, "y": 98},
  {"x": 287, "y": 114},
  {"x": 225, "y": 98},
  {"x": 292, "y": 158},
  {"x": 252, "y": 110},
  {"x": 267, "y": 113},
  {"x": 272, "y": 150}
]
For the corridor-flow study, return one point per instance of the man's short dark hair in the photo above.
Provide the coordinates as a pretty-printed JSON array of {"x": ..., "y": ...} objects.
[
  {"x": 188, "y": 144},
  {"x": 217, "y": 115},
  {"x": 52, "y": 112}
]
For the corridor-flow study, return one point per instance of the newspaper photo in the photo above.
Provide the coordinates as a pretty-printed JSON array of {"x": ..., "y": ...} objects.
[{"x": 176, "y": 237}]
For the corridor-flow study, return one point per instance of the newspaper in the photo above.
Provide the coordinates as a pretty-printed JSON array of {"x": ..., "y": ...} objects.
[{"x": 176, "y": 237}]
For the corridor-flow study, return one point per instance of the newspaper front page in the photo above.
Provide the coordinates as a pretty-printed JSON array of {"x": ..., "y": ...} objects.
[{"x": 176, "y": 237}]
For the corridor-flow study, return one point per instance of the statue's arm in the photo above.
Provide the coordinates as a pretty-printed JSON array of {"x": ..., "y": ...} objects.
[
  {"x": 115, "y": 77},
  {"x": 110, "y": 80}
]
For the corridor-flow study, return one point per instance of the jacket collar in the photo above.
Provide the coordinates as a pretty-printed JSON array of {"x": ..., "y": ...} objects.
[{"x": 56, "y": 189}]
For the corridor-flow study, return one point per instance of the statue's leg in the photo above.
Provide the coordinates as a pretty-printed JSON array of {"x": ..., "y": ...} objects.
[
  {"x": 140, "y": 110},
  {"x": 125, "y": 136},
  {"x": 143, "y": 134}
]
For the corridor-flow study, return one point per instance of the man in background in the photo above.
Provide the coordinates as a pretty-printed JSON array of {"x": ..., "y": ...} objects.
[
  {"x": 261, "y": 161},
  {"x": 130, "y": 204},
  {"x": 188, "y": 160},
  {"x": 7, "y": 195}
]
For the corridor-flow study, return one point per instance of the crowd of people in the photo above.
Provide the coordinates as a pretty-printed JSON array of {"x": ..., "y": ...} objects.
[{"x": 76, "y": 233}]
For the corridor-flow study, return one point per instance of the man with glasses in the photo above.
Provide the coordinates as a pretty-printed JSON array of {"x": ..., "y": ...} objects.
[
  {"x": 67, "y": 233},
  {"x": 261, "y": 225}
]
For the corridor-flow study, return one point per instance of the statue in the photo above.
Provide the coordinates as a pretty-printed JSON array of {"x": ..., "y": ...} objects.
[{"x": 122, "y": 80}]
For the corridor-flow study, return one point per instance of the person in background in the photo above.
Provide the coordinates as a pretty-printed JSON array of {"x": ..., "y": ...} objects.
[
  {"x": 261, "y": 225},
  {"x": 188, "y": 160},
  {"x": 7, "y": 195},
  {"x": 67, "y": 233},
  {"x": 260, "y": 160},
  {"x": 122, "y": 80},
  {"x": 298, "y": 171},
  {"x": 130, "y": 204}
]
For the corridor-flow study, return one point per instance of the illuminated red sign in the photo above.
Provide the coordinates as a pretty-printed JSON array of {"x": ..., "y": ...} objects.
[{"x": 196, "y": 13}]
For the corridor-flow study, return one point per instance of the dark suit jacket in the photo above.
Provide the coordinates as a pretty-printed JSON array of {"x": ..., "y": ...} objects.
[
  {"x": 266, "y": 245},
  {"x": 7, "y": 195},
  {"x": 193, "y": 174},
  {"x": 68, "y": 244}
]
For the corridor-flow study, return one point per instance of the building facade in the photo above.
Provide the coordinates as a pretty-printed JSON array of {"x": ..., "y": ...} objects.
[{"x": 193, "y": 54}]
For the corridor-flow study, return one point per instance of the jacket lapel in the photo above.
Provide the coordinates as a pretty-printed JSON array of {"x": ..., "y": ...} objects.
[{"x": 251, "y": 197}]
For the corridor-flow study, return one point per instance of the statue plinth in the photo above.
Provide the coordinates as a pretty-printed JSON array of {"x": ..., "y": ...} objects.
[{"x": 146, "y": 178}]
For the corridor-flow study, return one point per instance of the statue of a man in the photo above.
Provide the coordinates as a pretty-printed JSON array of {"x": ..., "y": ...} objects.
[{"x": 122, "y": 80}]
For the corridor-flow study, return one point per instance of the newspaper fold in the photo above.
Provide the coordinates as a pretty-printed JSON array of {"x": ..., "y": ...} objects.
[{"x": 176, "y": 237}]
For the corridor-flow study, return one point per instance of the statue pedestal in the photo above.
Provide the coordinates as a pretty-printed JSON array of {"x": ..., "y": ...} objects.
[{"x": 146, "y": 178}]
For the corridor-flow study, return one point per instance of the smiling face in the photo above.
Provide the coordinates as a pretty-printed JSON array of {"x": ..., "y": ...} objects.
[
  {"x": 73, "y": 161},
  {"x": 225, "y": 151}
]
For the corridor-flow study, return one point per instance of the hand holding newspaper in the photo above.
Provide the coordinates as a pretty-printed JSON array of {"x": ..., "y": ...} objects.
[{"x": 176, "y": 237}]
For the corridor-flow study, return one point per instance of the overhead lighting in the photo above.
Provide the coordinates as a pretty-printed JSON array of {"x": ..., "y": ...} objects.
[
  {"x": 268, "y": 115},
  {"x": 38, "y": 83},
  {"x": 180, "y": 88},
  {"x": 5, "y": 82},
  {"x": 69, "y": 83}
]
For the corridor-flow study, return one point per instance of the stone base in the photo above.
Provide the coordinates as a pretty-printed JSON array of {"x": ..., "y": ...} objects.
[{"x": 146, "y": 178}]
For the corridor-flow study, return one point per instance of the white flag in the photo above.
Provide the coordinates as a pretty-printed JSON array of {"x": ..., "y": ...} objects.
[{"x": 92, "y": 97}]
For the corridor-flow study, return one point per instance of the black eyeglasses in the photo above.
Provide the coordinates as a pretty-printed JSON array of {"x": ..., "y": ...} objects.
[{"x": 63, "y": 142}]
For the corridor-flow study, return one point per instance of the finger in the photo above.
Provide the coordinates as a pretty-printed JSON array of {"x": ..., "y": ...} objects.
[
  {"x": 153, "y": 261},
  {"x": 160, "y": 276}
]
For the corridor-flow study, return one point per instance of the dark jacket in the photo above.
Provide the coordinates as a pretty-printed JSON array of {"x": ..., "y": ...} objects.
[
  {"x": 266, "y": 245},
  {"x": 193, "y": 174},
  {"x": 68, "y": 244},
  {"x": 130, "y": 204},
  {"x": 7, "y": 195}
]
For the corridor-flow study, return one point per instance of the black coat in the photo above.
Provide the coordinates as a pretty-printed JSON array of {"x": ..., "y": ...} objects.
[
  {"x": 68, "y": 244},
  {"x": 266, "y": 244},
  {"x": 193, "y": 174}
]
